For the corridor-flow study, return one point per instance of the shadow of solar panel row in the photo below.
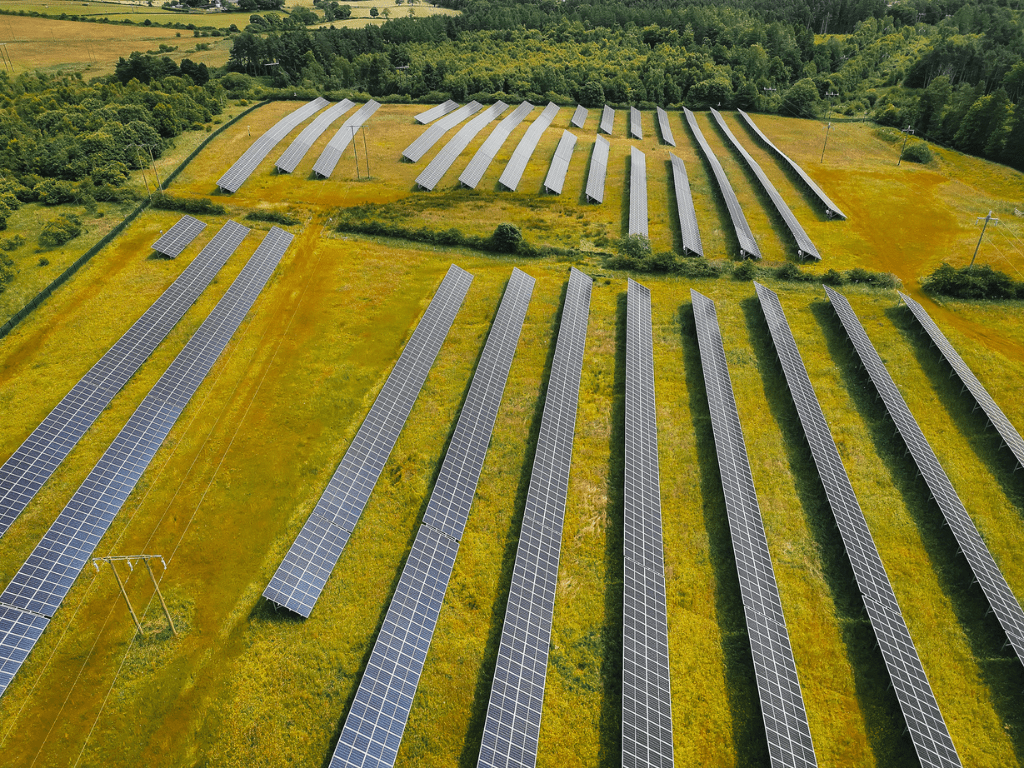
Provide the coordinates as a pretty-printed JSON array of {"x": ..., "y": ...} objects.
[
  {"x": 432, "y": 134},
  {"x": 748, "y": 246},
  {"x": 236, "y": 175},
  {"x": 42, "y": 582},
  {"x": 666, "y": 129},
  {"x": 598, "y": 170},
  {"x": 373, "y": 729},
  {"x": 785, "y": 718},
  {"x": 450, "y": 152},
  {"x": 512, "y": 724},
  {"x": 335, "y": 148},
  {"x": 925, "y": 723},
  {"x": 635, "y": 129},
  {"x": 805, "y": 248},
  {"x": 1000, "y": 598},
  {"x": 830, "y": 208},
  {"x": 301, "y": 577},
  {"x": 607, "y": 120},
  {"x": 297, "y": 150},
  {"x": 430, "y": 115},
  {"x": 31, "y": 465},
  {"x": 688, "y": 229},
  {"x": 579, "y": 117},
  {"x": 555, "y": 180},
  {"x": 1011, "y": 437},
  {"x": 492, "y": 145},
  {"x": 637, "y": 192},
  {"x": 513, "y": 172},
  {"x": 646, "y": 684},
  {"x": 176, "y": 239}
]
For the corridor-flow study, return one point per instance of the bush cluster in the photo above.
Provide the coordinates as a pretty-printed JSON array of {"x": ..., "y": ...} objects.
[
  {"x": 980, "y": 282},
  {"x": 12, "y": 243},
  {"x": 274, "y": 217},
  {"x": 66, "y": 227},
  {"x": 166, "y": 202},
  {"x": 7, "y": 271}
]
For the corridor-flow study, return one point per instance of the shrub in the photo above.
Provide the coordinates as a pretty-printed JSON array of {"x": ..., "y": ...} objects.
[
  {"x": 917, "y": 153},
  {"x": 275, "y": 217},
  {"x": 506, "y": 238},
  {"x": 746, "y": 271},
  {"x": 981, "y": 282},
  {"x": 64, "y": 228},
  {"x": 790, "y": 272},
  {"x": 166, "y": 202},
  {"x": 7, "y": 272},
  {"x": 698, "y": 267},
  {"x": 12, "y": 243},
  {"x": 54, "y": 192},
  {"x": 44, "y": 262}
]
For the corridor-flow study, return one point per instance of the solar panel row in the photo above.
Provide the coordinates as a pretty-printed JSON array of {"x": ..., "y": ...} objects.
[
  {"x": 373, "y": 729},
  {"x": 297, "y": 150},
  {"x": 335, "y": 148},
  {"x": 512, "y": 724},
  {"x": 748, "y": 246},
  {"x": 430, "y": 115},
  {"x": 579, "y": 117},
  {"x": 635, "y": 129},
  {"x": 805, "y": 248},
  {"x": 31, "y": 465},
  {"x": 598, "y": 170},
  {"x": 646, "y": 684},
  {"x": 433, "y": 134},
  {"x": 927, "y": 729},
  {"x": 1000, "y": 598},
  {"x": 666, "y": 129},
  {"x": 443, "y": 160},
  {"x": 492, "y": 145},
  {"x": 301, "y": 577},
  {"x": 177, "y": 238},
  {"x": 236, "y": 175},
  {"x": 830, "y": 207},
  {"x": 555, "y": 179},
  {"x": 688, "y": 229},
  {"x": 782, "y": 706},
  {"x": 637, "y": 192},
  {"x": 40, "y": 585},
  {"x": 513, "y": 172},
  {"x": 607, "y": 119}
]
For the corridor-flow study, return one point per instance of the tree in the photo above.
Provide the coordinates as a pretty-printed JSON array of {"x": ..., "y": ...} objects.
[
  {"x": 592, "y": 94},
  {"x": 62, "y": 229},
  {"x": 802, "y": 99},
  {"x": 374, "y": 13},
  {"x": 506, "y": 238}
]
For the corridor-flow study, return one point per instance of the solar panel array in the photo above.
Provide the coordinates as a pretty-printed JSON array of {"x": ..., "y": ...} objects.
[
  {"x": 492, "y": 145},
  {"x": 39, "y": 586},
  {"x": 607, "y": 119},
  {"x": 635, "y": 129},
  {"x": 927, "y": 729},
  {"x": 555, "y": 179},
  {"x": 830, "y": 208},
  {"x": 688, "y": 229},
  {"x": 782, "y": 705},
  {"x": 598, "y": 170},
  {"x": 373, "y": 729},
  {"x": 1000, "y": 598},
  {"x": 31, "y": 465},
  {"x": 301, "y": 577},
  {"x": 646, "y": 683},
  {"x": 433, "y": 134},
  {"x": 666, "y": 129},
  {"x": 443, "y": 160},
  {"x": 805, "y": 248},
  {"x": 1011, "y": 437},
  {"x": 297, "y": 150},
  {"x": 579, "y": 117},
  {"x": 177, "y": 238},
  {"x": 236, "y": 175},
  {"x": 335, "y": 148},
  {"x": 513, "y": 172},
  {"x": 637, "y": 192},
  {"x": 430, "y": 115},
  {"x": 748, "y": 246},
  {"x": 512, "y": 724}
]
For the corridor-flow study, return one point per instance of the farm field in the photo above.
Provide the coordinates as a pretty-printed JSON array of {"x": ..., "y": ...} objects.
[{"x": 246, "y": 462}]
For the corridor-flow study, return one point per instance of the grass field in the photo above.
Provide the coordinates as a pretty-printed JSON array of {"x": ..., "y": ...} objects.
[{"x": 242, "y": 468}]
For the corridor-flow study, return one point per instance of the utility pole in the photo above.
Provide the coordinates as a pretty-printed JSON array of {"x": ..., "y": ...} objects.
[
  {"x": 906, "y": 131},
  {"x": 828, "y": 120},
  {"x": 355, "y": 151},
  {"x": 983, "y": 228},
  {"x": 111, "y": 559},
  {"x": 366, "y": 152}
]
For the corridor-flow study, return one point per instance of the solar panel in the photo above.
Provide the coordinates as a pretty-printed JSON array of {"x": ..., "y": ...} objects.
[
  {"x": 492, "y": 145},
  {"x": 1000, "y": 598},
  {"x": 373, "y": 729},
  {"x": 666, "y": 129},
  {"x": 646, "y": 684},
  {"x": 297, "y": 150},
  {"x": 688, "y": 229},
  {"x": 335, "y": 148},
  {"x": 637, "y": 192},
  {"x": 443, "y": 160},
  {"x": 635, "y": 130},
  {"x": 301, "y": 577},
  {"x": 927, "y": 729},
  {"x": 41, "y": 584},
  {"x": 433, "y": 134},
  {"x": 579, "y": 117},
  {"x": 512, "y": 724},
  {"x": 236, "y": 175},
  {"x": 513, "y": 172},
  {"x": 1011, "y": 437},
  {"x": 31, "y": 465},
  {"x": 782, "y": 706},
  {"x": 598, "y": 170},
  {"x": 555, "y": 179},
  {"x": 830, "y": 208},
  {"x": 433, "y": 113},
  {"x": 748, "y": 246},
  {"x": 804, "y": 247},
  {"x": 177, "y": 238},
  {"x": 607, "y": 119}
]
